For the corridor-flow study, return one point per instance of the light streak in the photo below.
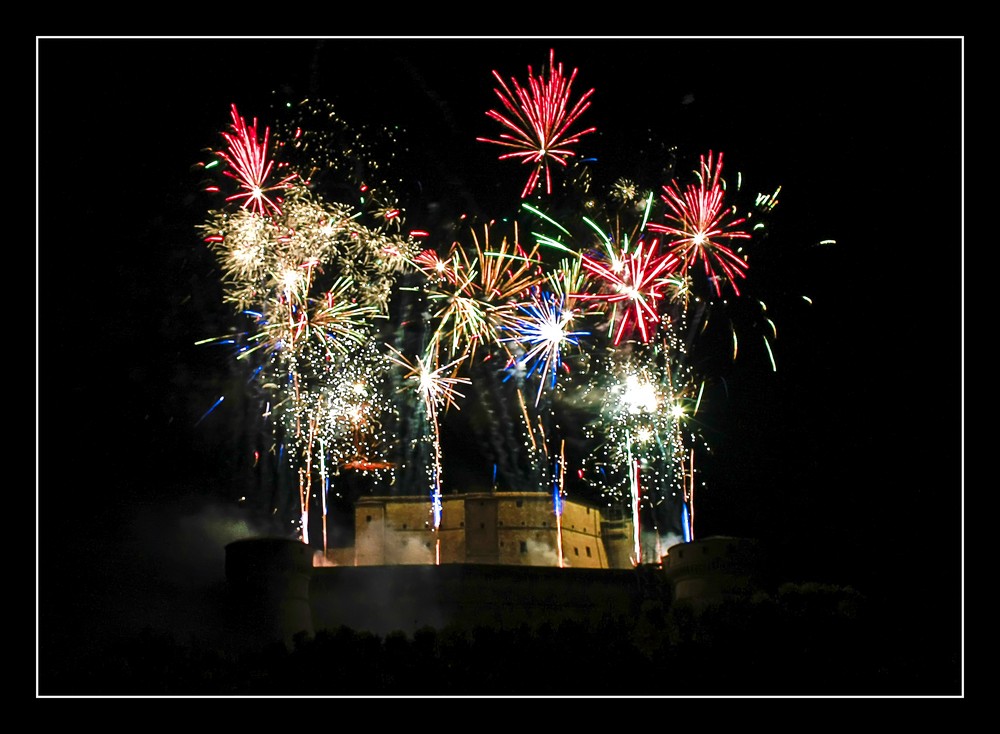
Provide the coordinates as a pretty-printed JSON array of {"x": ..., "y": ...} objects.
[{"x": 214, "y": 406}]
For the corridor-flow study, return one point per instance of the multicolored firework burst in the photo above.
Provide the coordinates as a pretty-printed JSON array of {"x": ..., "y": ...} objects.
[
  {"x": 638, "y": 384},
  {"x": 541, "y": 327},
  {"x": 317, "y": 276},
  {"x": 314, "y": 281},
  {"x": 539, "y": 118},
  {"x": 474, "y": 300}
]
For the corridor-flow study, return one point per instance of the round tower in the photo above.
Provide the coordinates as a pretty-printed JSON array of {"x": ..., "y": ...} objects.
[{"x": 713, "y": 569}]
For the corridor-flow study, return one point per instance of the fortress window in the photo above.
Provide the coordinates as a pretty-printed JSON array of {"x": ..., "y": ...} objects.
[
  {"x": 576, "y": 551},
  {"x": 482, "y": 526},
  {"x": 368, "y": 518},
  {"x": 524, "y": 546},
  {"x": 588, "y": 551},
  {"x": 519, "y": 503}
]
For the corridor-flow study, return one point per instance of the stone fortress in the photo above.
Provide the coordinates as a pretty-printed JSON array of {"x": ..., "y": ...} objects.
[{"x": 493, "y": 561}]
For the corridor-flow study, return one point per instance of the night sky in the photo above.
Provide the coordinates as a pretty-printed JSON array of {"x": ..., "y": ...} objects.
[{"x": 849, "y": 458}]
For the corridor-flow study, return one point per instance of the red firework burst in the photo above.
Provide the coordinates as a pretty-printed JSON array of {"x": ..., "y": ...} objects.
[
  {"x": 250, "y": 167},
  {"x": 637, "y": 283},
  {"x": 698, "y": 222},
  {"x": 539, "y": 119}
]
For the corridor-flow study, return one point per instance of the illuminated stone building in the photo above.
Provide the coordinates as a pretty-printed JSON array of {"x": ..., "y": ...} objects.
[{"x": 506, "y": 528}]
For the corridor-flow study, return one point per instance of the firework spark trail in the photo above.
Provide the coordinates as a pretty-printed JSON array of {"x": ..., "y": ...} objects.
[
  {"x": 250, "y": 167},
  {"x": 539, "y": 120},
  {"x": 557, "y": 498},
  {"x": 214, "y": 406},
  {"x": 634, "y": 495},
  {"x": 698, "y": 221},
  {"x": 689, "y": 504},
  {"x": 437, "y": 391},
  {"x": 324, "y": 490}
]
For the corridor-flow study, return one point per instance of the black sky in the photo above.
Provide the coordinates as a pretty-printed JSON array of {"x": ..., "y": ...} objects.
[{"x": 852, "y": 451}]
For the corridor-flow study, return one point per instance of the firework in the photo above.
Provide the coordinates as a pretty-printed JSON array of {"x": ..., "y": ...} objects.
[
  {"x": 557, "y": 499},
  {"x": 437, "y": 269},
  {"x": 313, "y": 278},
  {"x": 473, "y": 303},
  {"x": 331, "y": 411},
  {"x": 643, "y": 424},
  {"x": 542, "y": 327},
  {"x": 539, "y": 118},
  {"x": 334, "y": 320},
  {"x": 636, "y": 281},
  {"x": 250, "y": 167},
  {"x": 437, "y": 388},
  {"x": 314, "y": 272},
  {"x": 700, "y": 225}
]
